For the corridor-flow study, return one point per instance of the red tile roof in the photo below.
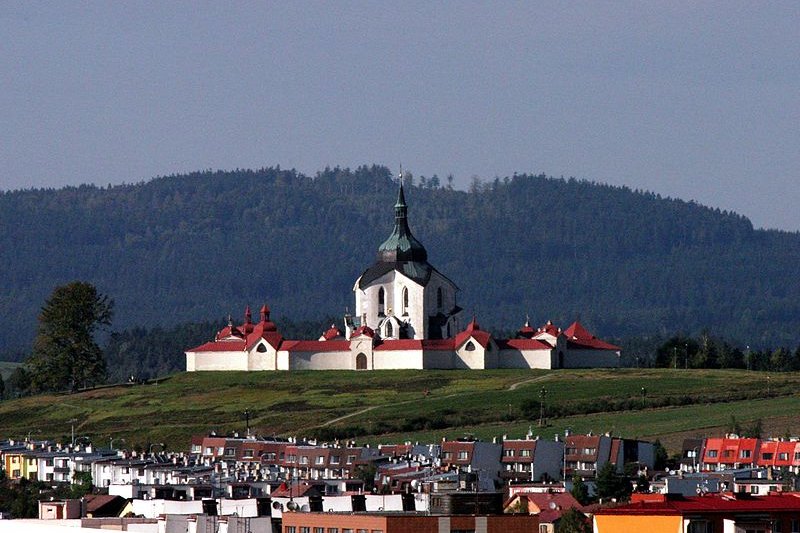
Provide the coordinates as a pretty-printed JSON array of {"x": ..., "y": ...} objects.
[
  {"x": 523, "y": 344},
  {"x": 473, "y": 331},
  {"x": 579, "y": 337},
  {"x": 331, "y": 333},
  {"x": 220, "y": 346},
  {"x": 710, "y": 503},
  {"x": 316, "y": 346}
]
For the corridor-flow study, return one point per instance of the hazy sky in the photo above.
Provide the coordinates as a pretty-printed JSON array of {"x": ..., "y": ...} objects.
[{"x": 697, "y": 100}]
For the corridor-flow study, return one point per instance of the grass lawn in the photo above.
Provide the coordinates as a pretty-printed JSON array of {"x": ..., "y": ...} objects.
[{"x": 391, "y": 406}]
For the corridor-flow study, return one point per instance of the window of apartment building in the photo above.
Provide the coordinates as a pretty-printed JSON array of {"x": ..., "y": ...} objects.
[
  {"x": 379, "y": 531},
  {"x": 305, "y": 529},
  {"x": 221, "y": 450},
  {"x": 753, "y": 489},
  {"x": 462, "y": 531},
  {"x": 766, "y": 456},
  {"x": 319, "y": 530},
  {"x": 542, "y": 528},
  {"x": 727, "y": 453},
  {"x": 248, "y": 453},
  {"x": 141, "y": 472},
  {"x": 333, "y": 530},
  {"x": 292, "y": 458},
  {"x": 335, "y": 459},
  {"x": 269, "y": 456},
  {"x": 463, "y": 455},
  {"x": 571, "y": 451},
  {"x": 744, "y": 454},
  {"x": 230, "y": 452},
  {"x": 795, "y": 525},
  {"x": 209, "y": 451},
  {"x": 303, "y": 459},
  {"x": 447, "y": 455},
  {"x": 48, "y": 462},
  {"x": 362, "y": 530},
  {"x": 17, "y": 473},
  {"x": 508, "y": 453},
  {"x": 320, "y": 460},
  {"x": 347, "y": 530},
  {"x": 783, "y": 456},
  {"x": 49, "y": 477},
  {"x": 289, "y": 529},
  {"x": 699, "y": 526},
  {"x": 351, "y": 459},
  {"x": 31, "y": 461},
  {"x": 712, "y": 453},
  {"x": 196, "y": 448},
  {"x": 589, "y": 451},
  {"x": 525, "y": 453},
  {"x": 15, "y": 459}
]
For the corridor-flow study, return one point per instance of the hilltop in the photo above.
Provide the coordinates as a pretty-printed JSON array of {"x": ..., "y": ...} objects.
[
  {"x": 192, "y": 248},
  {"x": 394, "y": 406}
]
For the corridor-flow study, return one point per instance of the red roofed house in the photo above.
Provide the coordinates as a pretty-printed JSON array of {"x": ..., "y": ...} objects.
[
  {"x": 710, "y": 513},
  {"x": 406, "y": 317}
]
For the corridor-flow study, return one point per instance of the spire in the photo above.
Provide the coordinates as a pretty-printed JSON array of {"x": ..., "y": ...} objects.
[
  {"x": 401, "y": 244},
  {"x": 248, "y": 316},
  {"x": 264, "y": 313}
]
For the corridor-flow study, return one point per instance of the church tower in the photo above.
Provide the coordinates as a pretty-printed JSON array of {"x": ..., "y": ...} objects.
[{"x": 402, "y": 296}]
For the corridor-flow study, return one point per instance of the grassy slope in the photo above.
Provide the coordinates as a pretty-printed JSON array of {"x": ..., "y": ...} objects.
[{"x": 394, "y": 403}]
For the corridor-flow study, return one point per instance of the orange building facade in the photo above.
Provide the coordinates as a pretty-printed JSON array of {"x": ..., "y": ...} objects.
[{"x": 405, "y": 522}]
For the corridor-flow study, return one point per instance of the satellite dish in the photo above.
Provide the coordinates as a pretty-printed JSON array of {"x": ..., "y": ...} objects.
[
  {"x": 292, "y": 506},
  {"x": 277, "y": 506},
  {"x": 305, "y": 508},
  {"x": 553, "y": 505}
]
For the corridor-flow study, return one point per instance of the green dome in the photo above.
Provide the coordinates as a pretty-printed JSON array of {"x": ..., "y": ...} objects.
[{"x": 401, "y": 244}]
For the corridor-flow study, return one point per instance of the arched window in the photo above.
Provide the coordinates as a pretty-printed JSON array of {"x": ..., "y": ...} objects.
[
  {"x": 439, "y": 299},
  {"x": 389, "y": 330},
  {"x": 381, "y": 300},
  {"x": 405, "y": 301},
  {"x": 361, "y": 362},
  {"x": 470, "y": 346}
]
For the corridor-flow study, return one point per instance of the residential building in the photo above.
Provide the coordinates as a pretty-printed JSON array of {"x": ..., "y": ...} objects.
[
  {"x": 405, "y": 522},
  {"x": 710, "y": 513}
]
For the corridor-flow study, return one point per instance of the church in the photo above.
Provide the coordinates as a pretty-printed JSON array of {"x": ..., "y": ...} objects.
[{"x": 407, "y": 317}]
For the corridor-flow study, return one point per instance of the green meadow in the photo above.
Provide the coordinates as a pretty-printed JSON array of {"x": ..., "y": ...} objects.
[{"x": 396, "y": 406}]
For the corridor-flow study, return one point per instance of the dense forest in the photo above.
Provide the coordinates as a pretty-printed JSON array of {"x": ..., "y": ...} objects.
[{"x": 193, "y": 248}]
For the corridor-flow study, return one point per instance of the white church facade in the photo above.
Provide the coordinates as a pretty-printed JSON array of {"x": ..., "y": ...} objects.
[{"x": 406, "y": 317}]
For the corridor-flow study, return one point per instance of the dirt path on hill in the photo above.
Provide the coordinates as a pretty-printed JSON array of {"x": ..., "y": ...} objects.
[{"x": 516, "y": 385}]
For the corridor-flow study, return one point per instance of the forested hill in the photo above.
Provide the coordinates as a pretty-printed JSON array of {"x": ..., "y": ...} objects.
[{"x": 196, "y": 247}]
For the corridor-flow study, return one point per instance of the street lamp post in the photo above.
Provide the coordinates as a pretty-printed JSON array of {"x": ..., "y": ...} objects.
[
  {"x": 542, "y": 398},
  {"x": 72, "y": 430}
]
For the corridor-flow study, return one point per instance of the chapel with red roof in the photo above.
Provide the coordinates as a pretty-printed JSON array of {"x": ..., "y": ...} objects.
[{"x": 407, "y": 317}]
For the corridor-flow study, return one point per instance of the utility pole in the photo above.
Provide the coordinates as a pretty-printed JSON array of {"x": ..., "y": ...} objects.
[{"x": 247, "y": 421}]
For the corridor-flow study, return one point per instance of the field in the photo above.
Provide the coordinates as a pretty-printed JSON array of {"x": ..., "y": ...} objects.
[{"x": 395, "y": 406}]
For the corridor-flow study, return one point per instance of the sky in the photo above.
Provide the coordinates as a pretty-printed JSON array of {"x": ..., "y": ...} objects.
[{"x": 694, "y": 100}]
